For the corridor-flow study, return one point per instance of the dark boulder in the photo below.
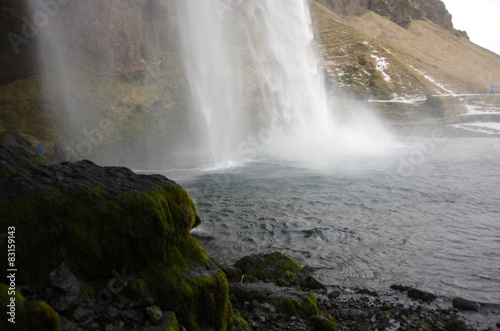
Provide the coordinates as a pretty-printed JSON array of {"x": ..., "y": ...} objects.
[{"x": 97, "y": 220}]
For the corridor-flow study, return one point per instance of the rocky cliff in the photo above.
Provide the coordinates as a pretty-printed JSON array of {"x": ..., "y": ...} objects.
[
  {"x": 402, "y": 12},
  {"x": 102, "y": 37},
  {"x": 120, "y": 37}
]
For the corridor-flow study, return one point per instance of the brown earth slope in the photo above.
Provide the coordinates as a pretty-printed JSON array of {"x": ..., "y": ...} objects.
[{"x": 421, "y": 59}]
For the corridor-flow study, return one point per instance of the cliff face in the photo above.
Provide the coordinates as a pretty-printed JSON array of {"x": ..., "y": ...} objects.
[
  {"x": 101, "y": 37},
  {"x": 402, "y": 12},
  {"x": 119, "y": 37}
]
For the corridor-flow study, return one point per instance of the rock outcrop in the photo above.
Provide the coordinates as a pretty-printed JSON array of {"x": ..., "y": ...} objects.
[
  {"x": 99, "y": 219},
  {"x": 401, "y": 12},
  {"x": 136, "y": 32}
]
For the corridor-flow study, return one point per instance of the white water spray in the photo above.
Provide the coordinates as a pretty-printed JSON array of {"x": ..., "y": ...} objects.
[{"x": 257, "y": 81}]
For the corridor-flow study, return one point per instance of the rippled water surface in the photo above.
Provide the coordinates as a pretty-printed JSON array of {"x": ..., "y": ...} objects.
[{"x": 426, "y": 214}]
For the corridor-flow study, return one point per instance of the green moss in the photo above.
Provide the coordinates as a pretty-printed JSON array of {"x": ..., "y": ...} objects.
[
  {"x": 41, "y": 317},
  {"x": 154, "y": 315},
  {"x": 272, "y": 267},
  {"x": 463, "y": 304},
  {"x": 146, "y": 233},
  {"x": 200, "y": 303},
  {"x": 94, "y": 232},
  {"x": 420, "y": 295},
  {"x": 423, "y": 326},
  {"x": 172, "y": 324},
  {"x": 334, "y": 294},
  {"x": 386, "y": 307},
  {"x": 240, "y": 323},
  {"x": 299, "y": 308},
  {"x": 137, "y": 288}
]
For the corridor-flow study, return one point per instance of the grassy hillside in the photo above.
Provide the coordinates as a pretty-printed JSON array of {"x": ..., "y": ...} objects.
[{"x": 369, "y": 57}]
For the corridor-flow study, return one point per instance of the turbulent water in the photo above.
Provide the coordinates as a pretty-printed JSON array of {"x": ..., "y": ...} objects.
[{"x": 425, "y": 214}]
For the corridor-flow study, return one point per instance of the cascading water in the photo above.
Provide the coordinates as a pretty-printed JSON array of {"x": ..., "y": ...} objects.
[
  {"x": 274, "y": 100},
  {"x": 257, "y": 85},
  {"x": 212, "y": 71}
]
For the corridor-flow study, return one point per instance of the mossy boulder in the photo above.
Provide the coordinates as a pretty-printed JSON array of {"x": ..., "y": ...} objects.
[
  {"x": 415, "y": 293},
  {"x": 42, "y": 317},
  {"x": 240, "y": 323},
  {"x": 456, "y": 325},
  {"x": 171, "y": 323},
  {"x": 98, "y": 219},
  {"x": 270, "y": 266},
  {"x": 420, "y": 295},
  {"x": 464, "y": 304},
  {"x": 277, "y": 268}
]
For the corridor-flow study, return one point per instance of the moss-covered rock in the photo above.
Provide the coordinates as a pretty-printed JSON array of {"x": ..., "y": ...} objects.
[
  {"x": 240, "y": 323},
  {"x": 42, "y": 317},
  {"x": 420, "y": 295},
  {"x": 415, "y": 293},
  {"x": 456, "y": 325},
  {"x": 137, "y": 288},
  {"x": 171, "y": 323},
  {"x": 334, "y": 294},
  {"x": 464, "y": 304},
  {"x": 97, "y": 219},
  {"x": 270, "y": 266},
  {"x": 299, "y": 306},
  {"x": 277, "y": 268}
]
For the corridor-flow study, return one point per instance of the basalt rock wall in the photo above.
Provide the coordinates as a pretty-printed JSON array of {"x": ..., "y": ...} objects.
[{"x": 100, "y": 37}]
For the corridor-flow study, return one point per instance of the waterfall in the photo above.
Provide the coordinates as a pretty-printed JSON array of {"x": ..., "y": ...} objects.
[
  {"x": 256, "y": 83},
  {"x": 212, "y": 67},
  {"x": 258, "y": 86}
]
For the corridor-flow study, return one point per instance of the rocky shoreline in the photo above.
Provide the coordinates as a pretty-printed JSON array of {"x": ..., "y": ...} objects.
[
  {"x": 298, "y": 303},
  {"x": 102, "y": 248}
]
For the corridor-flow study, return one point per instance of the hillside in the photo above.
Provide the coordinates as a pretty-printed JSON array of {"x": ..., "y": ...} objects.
[{"x": 368, "y": 56}]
